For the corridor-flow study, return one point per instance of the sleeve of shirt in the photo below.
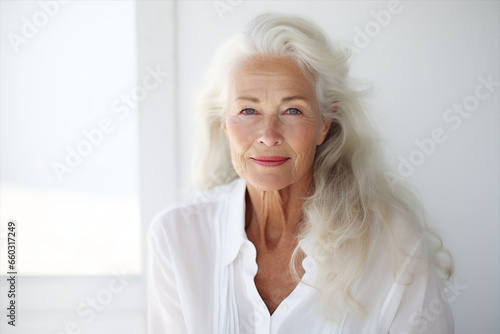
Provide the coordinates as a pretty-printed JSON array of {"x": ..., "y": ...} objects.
[
  {"x": 422, "y": 306},
  {"x": 164, "y": 307}
]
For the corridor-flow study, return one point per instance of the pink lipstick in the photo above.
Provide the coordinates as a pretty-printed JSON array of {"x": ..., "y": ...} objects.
[{"x": 271, "y": 161}]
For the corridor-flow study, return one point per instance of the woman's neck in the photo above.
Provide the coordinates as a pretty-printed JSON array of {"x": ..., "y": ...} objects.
[{"x": 273, "y": 217}]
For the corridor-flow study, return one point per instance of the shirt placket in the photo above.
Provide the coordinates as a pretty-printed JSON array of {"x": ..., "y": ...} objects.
[
  {"x": 288, "y": 305},
  {"x": 258, "y": 320}
]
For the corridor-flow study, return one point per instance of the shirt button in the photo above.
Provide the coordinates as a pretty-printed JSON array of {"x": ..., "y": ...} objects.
[{"x": 284, "y": 308}]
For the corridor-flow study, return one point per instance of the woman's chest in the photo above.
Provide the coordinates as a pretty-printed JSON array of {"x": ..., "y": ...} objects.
[{"x": 274, "y": 283}]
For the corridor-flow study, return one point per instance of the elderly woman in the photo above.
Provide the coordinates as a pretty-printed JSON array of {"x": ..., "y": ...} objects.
[{"x": 299, "y": 230}]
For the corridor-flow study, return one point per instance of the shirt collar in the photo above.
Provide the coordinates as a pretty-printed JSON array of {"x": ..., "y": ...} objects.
[{"x": 233, "y": 231}]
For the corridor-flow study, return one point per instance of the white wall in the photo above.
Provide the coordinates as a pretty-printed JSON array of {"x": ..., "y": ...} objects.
[
  {"x": 426, "y": 59},
  {"x": 69, "y": 162}
]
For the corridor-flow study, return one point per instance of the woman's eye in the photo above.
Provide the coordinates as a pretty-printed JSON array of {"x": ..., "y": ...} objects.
[
  {"x": 248, "y": 111},
  {"x": 294, "y": 111}
]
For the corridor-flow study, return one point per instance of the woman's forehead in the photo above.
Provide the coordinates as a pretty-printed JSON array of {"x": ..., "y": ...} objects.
[
  {"x": 277, "y": 74},
  {"x": 269, "y": 64}
]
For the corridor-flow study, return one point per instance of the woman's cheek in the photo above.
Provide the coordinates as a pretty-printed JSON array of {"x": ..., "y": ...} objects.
[
  {"x": 304, "y": 148},
  {"x": 239, "y": 136},
  {"x": 241, "y": 130}
]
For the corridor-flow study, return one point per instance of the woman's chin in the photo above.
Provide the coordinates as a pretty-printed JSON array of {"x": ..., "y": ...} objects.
[{"x": 268, "y": 182}]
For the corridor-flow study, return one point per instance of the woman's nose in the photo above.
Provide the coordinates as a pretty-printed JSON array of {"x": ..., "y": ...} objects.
[{"x": 270, "y": 132}]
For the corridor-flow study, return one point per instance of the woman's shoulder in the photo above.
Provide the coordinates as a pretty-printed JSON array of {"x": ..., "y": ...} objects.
[
  {"x": 189, "y": 232},
  {"x": 403, "y": 247}
]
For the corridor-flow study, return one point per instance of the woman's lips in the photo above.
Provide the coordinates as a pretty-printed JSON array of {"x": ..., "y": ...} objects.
[{"x": 271, "y": 161}]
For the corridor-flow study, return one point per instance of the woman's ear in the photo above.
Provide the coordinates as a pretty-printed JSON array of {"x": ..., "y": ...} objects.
[
  {"x": 323, "y": 131},
  {"x": 325, "y": 126}
]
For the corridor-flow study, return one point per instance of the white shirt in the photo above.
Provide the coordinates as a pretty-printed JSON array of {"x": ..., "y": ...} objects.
[{"x": 201, "y": 280}]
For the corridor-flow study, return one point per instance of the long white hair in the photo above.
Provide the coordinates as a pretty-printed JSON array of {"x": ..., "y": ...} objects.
[{"x": 351, "y": 194}]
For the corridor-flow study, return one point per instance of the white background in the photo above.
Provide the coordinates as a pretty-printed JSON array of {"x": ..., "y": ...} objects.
[{"x": 426, "y": 59}]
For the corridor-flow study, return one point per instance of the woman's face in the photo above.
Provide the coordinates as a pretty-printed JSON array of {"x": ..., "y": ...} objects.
[{"x": 273, "y": 123}]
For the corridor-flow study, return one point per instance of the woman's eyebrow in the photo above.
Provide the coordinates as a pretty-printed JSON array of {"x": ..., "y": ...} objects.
[
  {"x": 248, "y": 98},
  {"x": 295, "y": 97},
  {"x": 285, "y": 99}
]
